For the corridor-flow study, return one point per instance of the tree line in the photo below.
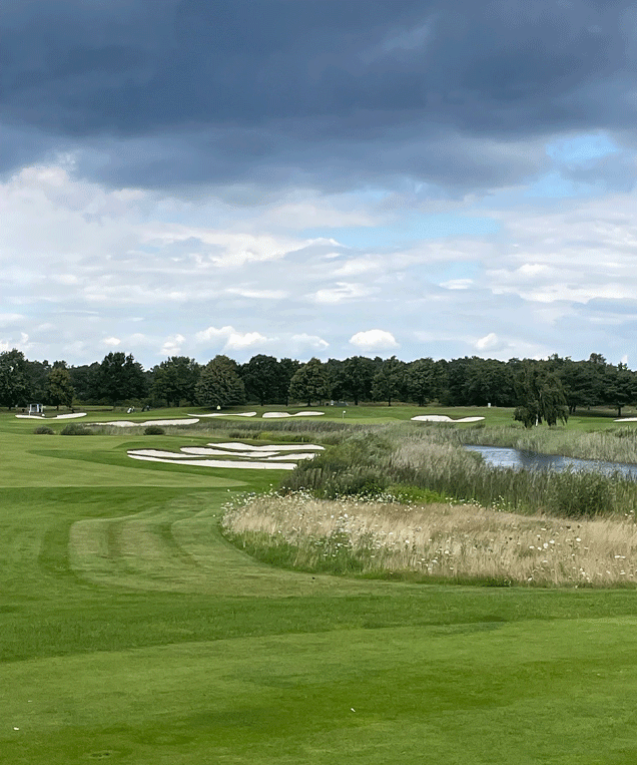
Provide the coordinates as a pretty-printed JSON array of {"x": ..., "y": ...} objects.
[{"x": 542, "y": 390}]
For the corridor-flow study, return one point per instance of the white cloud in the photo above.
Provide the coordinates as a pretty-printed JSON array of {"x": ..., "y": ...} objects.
[
  {"x": 559, "y": 278},
  {"x": 317, "y": 213},
  {"x": 257, "y": 294},
  {"x": 488, "y": 342},
  {"x": 310, "y": 341},
  {"x": 10, "y": 318},
  {"x": 343, "y": 291},
  {"x": 172, "y": 345},
  {"x": 457, "y": 284},
  {"x": 217, "y": 248},
  {"x": 357, "y": 266},
  {"x": 212, "y": 334},
  {"x": 67, "y": 279},
  {"x": 374, "y": 340},
  {"x": 232, "y": 338},
  {"x": 239, "y": 340}
]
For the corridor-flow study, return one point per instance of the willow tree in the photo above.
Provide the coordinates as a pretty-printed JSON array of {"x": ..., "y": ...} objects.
[{"x": 540, "y": 397}]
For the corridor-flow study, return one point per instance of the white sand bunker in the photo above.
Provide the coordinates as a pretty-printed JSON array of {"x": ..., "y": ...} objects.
[
  {"x": 57, "y": 416},
  {"x": 287, "y": 414},
  {"x": 237, "y": 455},
  {"x": 131, "y": 424},
  {"x": 279, "y": 447},
  {"x": 444, "y": 418},
  {"x": 626, "y": 419},
  {"x": 226, "y": 414}
]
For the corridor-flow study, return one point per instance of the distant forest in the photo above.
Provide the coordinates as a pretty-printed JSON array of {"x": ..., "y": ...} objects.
[{"x": 470, "y": 381}]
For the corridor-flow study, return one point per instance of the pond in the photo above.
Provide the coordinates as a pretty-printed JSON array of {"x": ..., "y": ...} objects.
[{"x": 504, "y": 457}]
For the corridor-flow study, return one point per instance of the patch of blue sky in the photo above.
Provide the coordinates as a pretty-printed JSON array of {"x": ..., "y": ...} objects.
[
  {"x": 581, "y": 149},
  {"x": 457, "y": 271},
  {"x": 412, "y": 228},
  {"x": 369, "y": 194},
  {"x": 554, "y": 185}
]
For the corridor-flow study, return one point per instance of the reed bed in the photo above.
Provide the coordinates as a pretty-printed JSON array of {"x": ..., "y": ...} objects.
[
  {"x": 374, "y": 463},
  {"x": 613, "y": 445},
  {"x": 433, "y": 542}
]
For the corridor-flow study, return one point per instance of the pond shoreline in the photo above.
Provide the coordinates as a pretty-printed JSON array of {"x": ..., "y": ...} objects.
[{"x": 520, "y": 459}]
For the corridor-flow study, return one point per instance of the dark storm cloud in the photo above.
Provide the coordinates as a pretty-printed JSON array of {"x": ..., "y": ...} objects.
[{"x": 327, "y": 92}]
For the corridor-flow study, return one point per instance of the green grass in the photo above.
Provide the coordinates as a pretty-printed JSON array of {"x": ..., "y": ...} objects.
[{"x": 132, "y": 632}]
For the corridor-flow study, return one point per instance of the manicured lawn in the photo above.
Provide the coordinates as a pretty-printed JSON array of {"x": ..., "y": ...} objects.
[{"x": 132, "y": 632}]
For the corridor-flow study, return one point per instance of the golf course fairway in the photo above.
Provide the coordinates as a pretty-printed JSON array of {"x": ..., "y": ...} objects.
[{"x": 132, "y": 632}]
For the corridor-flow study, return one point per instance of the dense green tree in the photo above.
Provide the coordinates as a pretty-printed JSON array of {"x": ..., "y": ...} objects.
[
  {"x": 85, "y": 381},
  {"x": 175, "y": 379},
  {"x": 15, "y": 388},
  {"x": 423, "y": 380},
  {"x": 120, "y": 378},
  {"x": 389, "y": 381},
  {"x": 455, "y": 391},
  {"x": 38, "y": 375},
  {"x": 287, "y": 368},
  {"x": 59, "y": 387},
  {"x": 358, "y": 378},
  {"x": 488, "y": 381},
  {"x": 334, "y": 370},
  {"x": 583, "y": 383},
  {"x": 264, "y": 379},
  {"x": 219, "y": 384},
  {"x": 620, "y": 387},
  {"x": 597, "y": 358},
  {"x": 310, "y": 382},
  {"x": 540, "y": 397}
]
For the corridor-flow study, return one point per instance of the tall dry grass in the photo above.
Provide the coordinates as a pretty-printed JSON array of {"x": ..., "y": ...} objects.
[{"x": 437, "y": 541}]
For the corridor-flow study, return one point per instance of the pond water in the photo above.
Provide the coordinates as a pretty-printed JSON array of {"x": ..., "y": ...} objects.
[{"x": 504, "y": 457}]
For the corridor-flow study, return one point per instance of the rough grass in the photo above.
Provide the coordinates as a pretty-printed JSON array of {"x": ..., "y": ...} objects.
[{"x": 439, "y": 541}]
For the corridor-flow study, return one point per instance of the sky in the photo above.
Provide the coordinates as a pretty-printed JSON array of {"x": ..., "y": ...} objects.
[{"x": 323, "y": 178}]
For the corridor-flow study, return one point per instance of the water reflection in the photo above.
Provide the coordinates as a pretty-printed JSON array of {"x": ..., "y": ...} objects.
[{"x": 504, "y": 457}]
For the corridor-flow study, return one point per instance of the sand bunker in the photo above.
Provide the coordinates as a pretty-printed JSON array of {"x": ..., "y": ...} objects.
[
  {"x": 57, "y": 416},
  {"x": 267, "y": 415},
  {"x": 226, "y": 414},
  {"x": 444, "y": 418},
  {"x": 269, "y": 457},
  {"x": 130, "y": 424},
  {"x": 221, "y": 463},
  {"x": 277, "y": 447},
  {"x": 287, "y": 414},
  {"x": 626, "y": 419}
]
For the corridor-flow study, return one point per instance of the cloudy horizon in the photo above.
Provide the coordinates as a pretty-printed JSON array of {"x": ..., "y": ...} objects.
[{"x": 308, "y": 178}]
